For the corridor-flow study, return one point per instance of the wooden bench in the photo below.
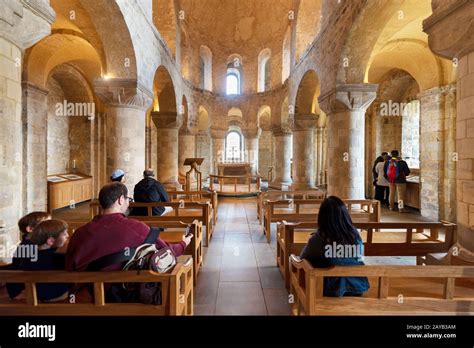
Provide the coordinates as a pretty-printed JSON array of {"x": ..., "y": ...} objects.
[
  {"x": 284, "y": 195},
  {"x": 173, "y": 233},
  {"x": 182, "y": 211},
  {"x": 197, "y": 196},
  {"x": 380, "y": 239},
  {"x": 301, "y": 210},
  {"x": 395, "y": 290},
  {"x": 177, "y": 292}
]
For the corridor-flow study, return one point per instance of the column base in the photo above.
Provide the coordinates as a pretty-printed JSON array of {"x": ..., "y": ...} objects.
[
  {"x": 280, "y": 185},
  {"x": 302, "y": 186},
  {"x": 173, "y": 185}
]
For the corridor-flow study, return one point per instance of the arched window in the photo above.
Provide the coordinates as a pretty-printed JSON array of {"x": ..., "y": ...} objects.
[
  {"x": 264, "y": 70},
  {"x": 205, "y": 56},
  {"x": 232, "y": 83},
  {"x": 234, "y": 75},
  {"x": 411, "y": 134},
  {"x": 233, "y": 147}
]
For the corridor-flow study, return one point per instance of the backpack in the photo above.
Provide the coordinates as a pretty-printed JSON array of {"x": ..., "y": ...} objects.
[
  {"x": 145, "y": 257},
  {"x": 392, "y": 171}
]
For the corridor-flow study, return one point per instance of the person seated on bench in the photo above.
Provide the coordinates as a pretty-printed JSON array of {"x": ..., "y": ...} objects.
[
  {"x": 110, "y": 232},
  {"x": 26, "y": 225},
  {"x": 118, "y": 175},
  {"x": 336, "y": 242},
  {"x": 150, "y": 190},
  {"x": 47, "y": 237}
]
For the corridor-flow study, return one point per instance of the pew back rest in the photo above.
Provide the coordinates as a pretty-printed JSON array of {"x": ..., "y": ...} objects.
[
  {"x": 307, "y": 286},
  {"x": 177, "y": 292},
  {"x": 284, "y": 195}
]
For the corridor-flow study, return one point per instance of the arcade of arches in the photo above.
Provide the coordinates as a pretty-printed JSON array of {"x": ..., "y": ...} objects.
[{"x": 315, "y": 89}]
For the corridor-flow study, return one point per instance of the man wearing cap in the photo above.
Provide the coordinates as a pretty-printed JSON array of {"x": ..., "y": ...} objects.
[
  {"x": 118, "y": 175},
  {"x": 150, "y": 190}
]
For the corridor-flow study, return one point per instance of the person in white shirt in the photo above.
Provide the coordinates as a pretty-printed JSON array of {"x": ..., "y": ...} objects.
[{"x": 382, "y": 187}]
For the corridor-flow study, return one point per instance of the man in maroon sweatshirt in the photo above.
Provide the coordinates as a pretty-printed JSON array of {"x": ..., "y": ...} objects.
[{"x": 111, "y": 232}]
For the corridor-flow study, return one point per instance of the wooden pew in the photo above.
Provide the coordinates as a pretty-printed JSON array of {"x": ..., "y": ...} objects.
[
  {"x": 197, "y": 196},
  {"x": 442, "y": 293},
  {"x": 302, "y": 210},
  {"x": 173, "y": 233},
  {"x": 380, "y": 239},
  {"x": 284, "y": 195},
  {"x": 177, "y": 292},
  {"x": 182, "y": 211}
]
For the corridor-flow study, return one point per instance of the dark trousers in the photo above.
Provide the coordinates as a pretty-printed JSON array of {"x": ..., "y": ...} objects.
[{"x": 382, "y": 194}]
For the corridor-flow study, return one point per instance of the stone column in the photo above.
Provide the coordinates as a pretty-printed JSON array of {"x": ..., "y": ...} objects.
[
  {"x": 449, "y": 31},
  {"x": 319, "y": 155},
  {"x": 167, "y": 128},
  {"x": 324, "y": 156},
  {"x": 345, "y": 107},
  {"x": 125, "y": 119},
  {"x": 22, "y": 24},
  {"x": 217, "y": 148},
  {"x": 187, "y": 148},
  {"x": 303, "y": 151},
  {"x": 436, "y": 161},
  {"x": 35, "y": 123},
  {"x": 282, "y": 159},
  {"x": 251, "y": 148}
]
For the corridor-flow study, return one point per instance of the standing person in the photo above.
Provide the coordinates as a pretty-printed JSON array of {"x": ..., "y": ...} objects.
[
  {"x": 396, "y": 170},
  {"x": 150, "y": 190},
  {"x": 382, "y": 186},
  {"x": 118, "y": 175}
]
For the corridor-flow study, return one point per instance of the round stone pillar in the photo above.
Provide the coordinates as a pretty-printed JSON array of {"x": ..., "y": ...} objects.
[
  {"x": 282, "y": 159},
  {"x": 346, "y": 108},
  {"x": 187, "y": 149},
  {"x": 167, "y": 124},
  {"x": 126, "y": 105},
  {"x": 303, "y": 151},
  {"x": 251, "y": 149},
  {"x": 217, "y": 148}
]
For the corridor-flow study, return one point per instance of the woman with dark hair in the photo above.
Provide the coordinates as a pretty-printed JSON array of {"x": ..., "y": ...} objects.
[{"x": 337, "y": 242}]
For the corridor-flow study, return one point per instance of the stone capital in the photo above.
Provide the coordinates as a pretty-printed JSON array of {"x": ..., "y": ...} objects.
[
  {"x": 281, "y": 131},
  {"x": 303, "y": 121},
  {"x": 30, "y": 88},
  {"x": 348, "y": 97},
  {"x": 166, "y": 120},
  {"x": 440, "y": 90},
  {"x": 450, "y": 28},
  {"x": 218, "y": 133},
  {"x": 250, "y": 133},
  {"x": 120, "y": 92}
]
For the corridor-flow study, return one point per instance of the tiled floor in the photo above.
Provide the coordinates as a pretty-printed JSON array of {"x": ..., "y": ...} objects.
[{"x": 239, "y": 275}]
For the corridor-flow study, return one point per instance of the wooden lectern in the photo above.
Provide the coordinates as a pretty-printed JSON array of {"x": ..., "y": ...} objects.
[{"x": 194, "y": 163}]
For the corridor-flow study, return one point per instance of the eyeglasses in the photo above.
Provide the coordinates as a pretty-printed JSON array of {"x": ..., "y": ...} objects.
[{"x": 130, "y": 199}]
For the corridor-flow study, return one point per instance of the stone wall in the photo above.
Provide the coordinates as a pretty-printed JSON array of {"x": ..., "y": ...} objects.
[
  {"x": 58, "y": 132},
  {"x": 203, "y": 150},
  {"x": 10, "y": 143}
]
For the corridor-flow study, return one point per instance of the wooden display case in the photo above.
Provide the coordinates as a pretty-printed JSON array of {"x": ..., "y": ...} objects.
[
  {"x": 412, "y": 192},
  {"x": 68, "y": 189}
]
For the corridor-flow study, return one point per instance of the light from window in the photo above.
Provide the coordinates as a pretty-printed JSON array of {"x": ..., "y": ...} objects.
[
  {"x": 233, "y": 147},
  {"x": 232, "y": 84}
]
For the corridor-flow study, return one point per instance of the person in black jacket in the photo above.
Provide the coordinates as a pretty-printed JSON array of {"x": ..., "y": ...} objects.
[{"x": 150, "y": 190}]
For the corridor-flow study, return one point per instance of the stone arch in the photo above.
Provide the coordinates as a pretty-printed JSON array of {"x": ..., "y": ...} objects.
[
  {"x": 235, "y": 68},
  {"x": 164, "y": 91},
  {"x": 185, "y": 53},
  {"x": 264, "y": 70},
  {"x": 306, "y": 101},
  {"x": 204, "y": 121},
  {"x": 264, "y": 115}
]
